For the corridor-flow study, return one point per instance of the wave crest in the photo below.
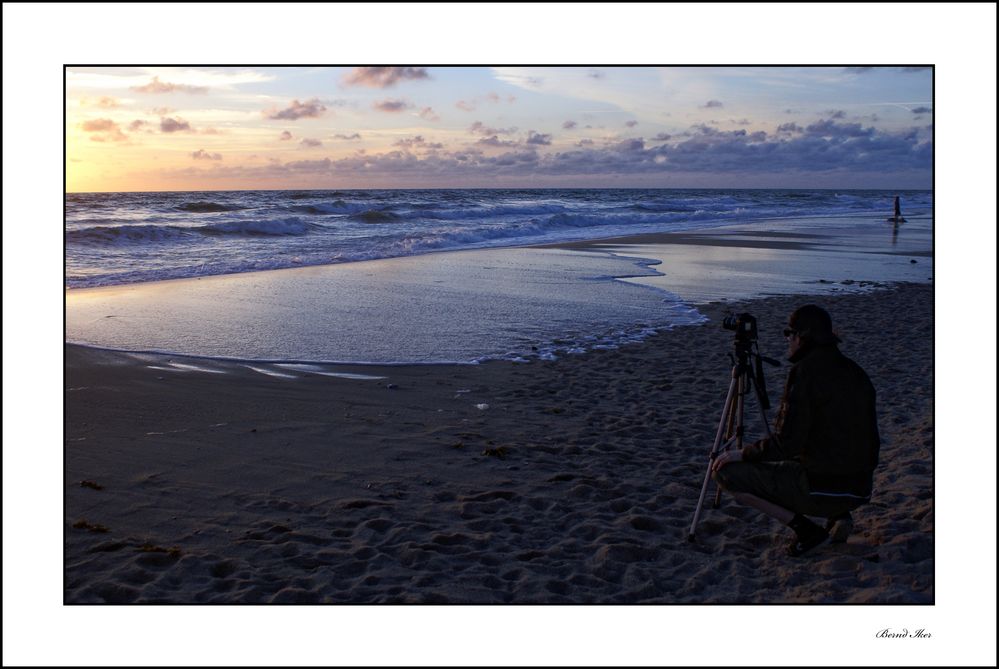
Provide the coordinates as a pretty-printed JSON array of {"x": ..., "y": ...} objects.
[
  {"x": 122, "y": 234},
  {"x": 105, "y": 235},
  {"x": 279, "y": 227}
]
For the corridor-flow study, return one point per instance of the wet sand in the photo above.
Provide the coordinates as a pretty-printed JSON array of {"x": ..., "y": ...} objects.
[{"x": 571, "y": 481}]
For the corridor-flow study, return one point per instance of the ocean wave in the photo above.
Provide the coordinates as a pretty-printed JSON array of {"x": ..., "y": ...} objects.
[
  {"x": 661, "y": 218},
  {"x": 310, "y": 194},
  {"x": 335, "y": 207},
  {"x": 207, "y": 207},
  {"x": 668, "y": 208},
  {"x": 376, "y": 216},
  {"x": 118, "y": 234},
  {"x": 487, "y": 211},
  {"x": 280, "y": 227},
  {"x": 136, "y": 234}
]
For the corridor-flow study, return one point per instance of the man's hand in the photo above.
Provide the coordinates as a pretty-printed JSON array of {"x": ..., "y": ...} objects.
[{"x": 733, "y": 455}]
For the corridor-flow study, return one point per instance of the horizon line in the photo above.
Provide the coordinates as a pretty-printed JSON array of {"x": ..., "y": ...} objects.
[{"x": 497, "y": 188}]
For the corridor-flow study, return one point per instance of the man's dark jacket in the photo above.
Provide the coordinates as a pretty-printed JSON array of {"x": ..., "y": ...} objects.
[{"x": 827, "y": 421}]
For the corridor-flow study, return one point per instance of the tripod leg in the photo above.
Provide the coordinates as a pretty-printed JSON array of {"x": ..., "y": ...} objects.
[
  {"x": 736, "y": 419},
  {"x": 763, "y": 412},
  {"x": 726, "y": 411}
]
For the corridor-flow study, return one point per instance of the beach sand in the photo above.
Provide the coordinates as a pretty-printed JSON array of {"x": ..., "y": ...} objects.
[{"x": 567, "y": 481}]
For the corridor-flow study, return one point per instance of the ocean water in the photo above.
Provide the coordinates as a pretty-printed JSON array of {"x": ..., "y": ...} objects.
[
  {"x": 123, "y": 238},
  {"x": 368, "y": 293}
]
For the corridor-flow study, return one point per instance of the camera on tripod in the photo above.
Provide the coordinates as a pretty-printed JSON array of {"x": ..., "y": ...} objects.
[
  {"x": 744, "y": 326},
  {"x": 747, "y": 377}
]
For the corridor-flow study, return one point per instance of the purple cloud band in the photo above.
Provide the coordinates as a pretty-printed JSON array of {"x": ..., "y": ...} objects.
[{"x": 824, "y": 146}]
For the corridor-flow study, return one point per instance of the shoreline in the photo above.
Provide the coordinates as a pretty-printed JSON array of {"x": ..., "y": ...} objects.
[
  {"x": 712, "y": 235},
  {"x": 686, "y": 270},
  {"x": 564, "y": 481}
]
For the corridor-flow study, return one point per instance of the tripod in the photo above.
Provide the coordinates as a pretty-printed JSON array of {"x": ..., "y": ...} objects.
[{"x": 731, "y": 427}]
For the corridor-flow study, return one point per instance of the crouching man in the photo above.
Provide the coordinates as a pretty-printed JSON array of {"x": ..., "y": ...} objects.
[{"x": 821, "y": 458}]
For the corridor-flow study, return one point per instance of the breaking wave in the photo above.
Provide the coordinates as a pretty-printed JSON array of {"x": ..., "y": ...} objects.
[{"x": 137, "y": 234}]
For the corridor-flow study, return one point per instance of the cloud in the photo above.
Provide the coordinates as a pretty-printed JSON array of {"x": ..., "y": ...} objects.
[
  {"x": 520, "y": 159},
  {"x": 585, "y": 142},
  {"x": 285, "y": 136},
  {"x": 323, "y": 165},
  {"x": 922, "y": 110},
  {"x": 201, "y": 154},
  {"x": 157, "y": 86},
  {"x": 417, "y": 143},
  {"x": 496, "y": 141},
  {"x": 428, "y": 114},
  {"x": 595, "y": 74},
  {"x": 569, "y": 125},
  {"x": 836, "y": 113},
  {"x": 712, "y": 104},
  {"x": 829, "y": 128},
  {"x": 348, "y": 138},
  {"x": 478, "y": 128},
  {"x": 631, "y": 124},
  {"x": 107, "y": 103},
  {"x": 790, "y": 128},
  {"x": 168, "y": 124},
  {"x": 823, "y": 146},
  {"x": 496, "y": 99},
  {"x": 538, "y": 138},
  {"x": 858, "y": 70},
  {"x": 917, "y": 68},
  {"x": 391, "y": 106},
  {"x": 839, "y": 149},
  {"x": 309, "y": 109},
  {"x": 137, "y": 125},
  {"x": 384, "y": 77},
  {"x": 662, "y": 137},
  {"x": 492, "y": 98},
  {"x": 162, "y": 111},
  {"x": 629, "y": 145},
  {"x": 409, "y": 141},
  {"x": 99, "y": 125},
  {"x": 310, "y": 143},
  {"x": 103, "y": 130}
]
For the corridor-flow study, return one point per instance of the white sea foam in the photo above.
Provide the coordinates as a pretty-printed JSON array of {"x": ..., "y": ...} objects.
[
  {"x": 271, "y": 372},
  {"x": 317, "y": 369}
]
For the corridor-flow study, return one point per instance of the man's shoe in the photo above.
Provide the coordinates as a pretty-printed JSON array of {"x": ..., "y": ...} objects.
[
  {"x": 807, "y": 535},
  {"x": 839, "y": 527}
]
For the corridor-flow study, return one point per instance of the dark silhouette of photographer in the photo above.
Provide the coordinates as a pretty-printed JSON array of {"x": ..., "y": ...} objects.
[{"x": 821, "y": 457}]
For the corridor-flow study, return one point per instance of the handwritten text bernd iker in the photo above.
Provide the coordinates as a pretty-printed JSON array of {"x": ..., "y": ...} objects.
[{"x": 889, "y": 633}]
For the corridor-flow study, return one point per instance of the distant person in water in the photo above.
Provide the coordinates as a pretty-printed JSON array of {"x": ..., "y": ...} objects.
[{"x": 898, "y": 211}]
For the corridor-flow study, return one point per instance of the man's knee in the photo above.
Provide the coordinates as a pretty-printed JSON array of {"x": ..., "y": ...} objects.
[{"x": 730, "y": 478}]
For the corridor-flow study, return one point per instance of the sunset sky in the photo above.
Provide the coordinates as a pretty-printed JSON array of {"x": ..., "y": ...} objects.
[{"x": 188, "y": 128}]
